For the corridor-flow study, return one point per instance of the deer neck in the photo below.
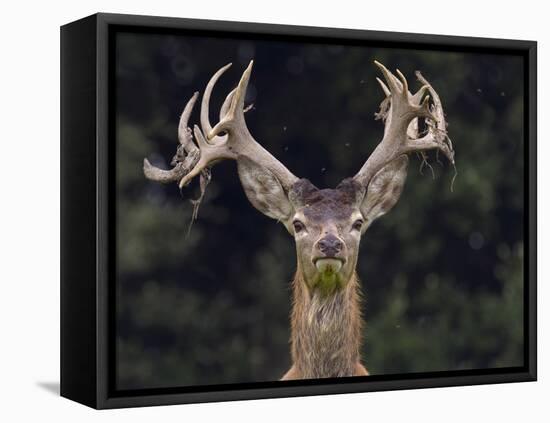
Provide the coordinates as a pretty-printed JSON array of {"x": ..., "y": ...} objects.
[{"x": 326, "y": 330}]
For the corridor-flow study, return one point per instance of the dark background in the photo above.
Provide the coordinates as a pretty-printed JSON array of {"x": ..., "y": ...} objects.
[{"x": 442, "y": 272}]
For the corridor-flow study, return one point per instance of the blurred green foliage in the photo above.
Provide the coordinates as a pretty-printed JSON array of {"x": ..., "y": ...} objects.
[{"x": 442, "y": 273}]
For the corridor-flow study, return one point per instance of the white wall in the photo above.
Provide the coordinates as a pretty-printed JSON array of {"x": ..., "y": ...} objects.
[{"x": 29, "y": 148}]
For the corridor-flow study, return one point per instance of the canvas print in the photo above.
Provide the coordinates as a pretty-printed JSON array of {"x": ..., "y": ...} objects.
[{"x": 309, "y": 210}]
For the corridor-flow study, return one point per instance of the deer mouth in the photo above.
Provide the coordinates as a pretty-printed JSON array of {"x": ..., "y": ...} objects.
[{"x": 328, "y": 265}]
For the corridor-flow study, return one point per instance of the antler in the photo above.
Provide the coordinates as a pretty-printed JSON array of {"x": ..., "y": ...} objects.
[
  {"x": 400, "y": 110},
  {"x": 236, "y": 142},
  {"x": 186, "y": 155}
]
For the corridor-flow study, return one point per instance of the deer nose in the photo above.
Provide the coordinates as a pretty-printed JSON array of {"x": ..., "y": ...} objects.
[{"x": 330, "y": 245}]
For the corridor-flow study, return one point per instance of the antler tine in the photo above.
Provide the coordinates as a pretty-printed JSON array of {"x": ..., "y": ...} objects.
[
  {"x": 160, "y": 175},
  {"x": 226, "y": 104},
  {"x": 391, "y": 80},
  {"x": 401, "y": 124},
  {"x": 182, "y": 162},
  {"x": 233, "y": 119},
  {"x": 205, "y": 105},
  {"x": 384, "y": 87},
  {"x": 405, "y": 85},
  {"x": 184, "y": 133}
]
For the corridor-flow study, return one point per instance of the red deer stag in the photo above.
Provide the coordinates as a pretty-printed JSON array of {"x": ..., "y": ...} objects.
[{"x": 327, "y": 224}]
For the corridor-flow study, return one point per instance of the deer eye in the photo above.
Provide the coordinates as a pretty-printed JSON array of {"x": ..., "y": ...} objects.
[
  {"x": 357, "y": 225},
  {"x": 298, "y": 226}
]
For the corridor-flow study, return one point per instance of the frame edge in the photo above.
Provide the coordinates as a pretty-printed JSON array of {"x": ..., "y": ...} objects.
[{"x": 78, "y": 212}]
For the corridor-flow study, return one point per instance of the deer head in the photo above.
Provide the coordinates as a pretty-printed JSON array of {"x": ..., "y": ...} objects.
[{"x": 327, "y": 224}]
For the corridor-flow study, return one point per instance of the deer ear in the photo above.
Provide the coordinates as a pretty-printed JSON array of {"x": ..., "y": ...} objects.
[
  {"x": 264, "y": 190},
  {"x": 384, "y": 190}
]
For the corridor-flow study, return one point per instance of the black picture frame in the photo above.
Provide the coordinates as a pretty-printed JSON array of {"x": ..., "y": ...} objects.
[{"x": 87, "y": 228}]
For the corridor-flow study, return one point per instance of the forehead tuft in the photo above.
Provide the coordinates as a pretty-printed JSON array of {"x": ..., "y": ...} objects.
[{"x": 322, "y": 204}]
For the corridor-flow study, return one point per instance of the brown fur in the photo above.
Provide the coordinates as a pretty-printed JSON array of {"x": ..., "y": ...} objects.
[
  {"x": 328, "y": 203},
  {"x": 326, "y": 332}
]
